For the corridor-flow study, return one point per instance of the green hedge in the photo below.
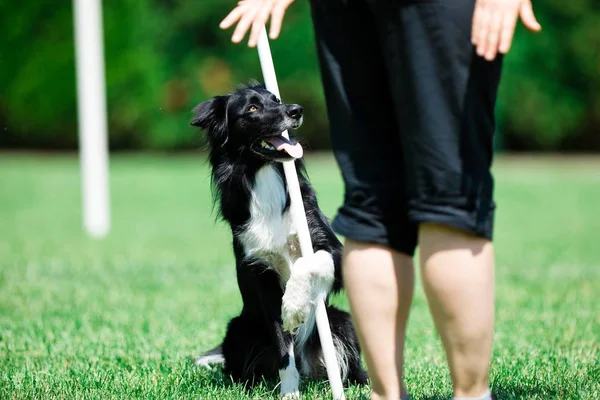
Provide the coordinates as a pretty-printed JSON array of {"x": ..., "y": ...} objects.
[{"x": 162, "y": 57}]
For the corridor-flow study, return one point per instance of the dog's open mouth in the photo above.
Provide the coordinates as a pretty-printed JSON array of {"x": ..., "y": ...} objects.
[{"x": 274, "y": 145}]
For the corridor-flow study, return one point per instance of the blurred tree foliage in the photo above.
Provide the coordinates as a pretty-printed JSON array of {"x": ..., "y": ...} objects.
[
  {"x": 164, "y": 56},
  {"x": 550, "y": 94}
]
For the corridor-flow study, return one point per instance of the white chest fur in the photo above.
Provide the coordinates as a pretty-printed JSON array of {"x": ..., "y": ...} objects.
[{"x": 269, "y": 234}]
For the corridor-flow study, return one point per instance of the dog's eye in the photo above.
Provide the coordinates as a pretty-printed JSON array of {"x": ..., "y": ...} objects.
[{"x": 252, "y": 109}]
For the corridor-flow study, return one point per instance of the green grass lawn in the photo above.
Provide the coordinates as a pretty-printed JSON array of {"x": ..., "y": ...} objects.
[{"x": 121, "y": 318}]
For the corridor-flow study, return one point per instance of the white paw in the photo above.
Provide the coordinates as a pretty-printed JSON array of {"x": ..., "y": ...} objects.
[
  {"x": 310, "y": 280},
  {"x": 290, "y": 381},
  {"x": 296, "y": 302},
  {"x": 209, "y": 360},
  {"x": 321, "y": 269},
  {"x": 292, "y": 395}
]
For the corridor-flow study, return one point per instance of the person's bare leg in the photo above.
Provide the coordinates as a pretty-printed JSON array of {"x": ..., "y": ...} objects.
[
  {"x": 458, "y": 279},
  {"x": 379, "y": 283}
]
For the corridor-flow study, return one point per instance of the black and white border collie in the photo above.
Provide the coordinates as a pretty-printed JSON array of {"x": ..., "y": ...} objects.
[{"x": 275, "y": 334}]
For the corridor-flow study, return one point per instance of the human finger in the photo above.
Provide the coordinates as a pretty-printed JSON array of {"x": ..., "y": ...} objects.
[
  {"x": 277, "y": 17},
  {"x": 482, "y": 32},
  {"x": 259, "y": 22},
  {"x": 528, "y": 17},
  {"x": 245, "y": 22},
  {"x": 493, "y": 35},
  {"x": 234, "y": 15},
  {"x": 476, "y": 22},
  {"x": 506, "y": 35}
]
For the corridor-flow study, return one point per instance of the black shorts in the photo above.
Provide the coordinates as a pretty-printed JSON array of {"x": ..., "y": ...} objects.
[{"x": 411, "y": 112}]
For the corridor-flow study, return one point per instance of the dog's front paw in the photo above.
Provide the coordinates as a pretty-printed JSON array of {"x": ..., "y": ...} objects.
[
  {"x": 296, "y": 302},
  {"x": 290, "y": 381}
]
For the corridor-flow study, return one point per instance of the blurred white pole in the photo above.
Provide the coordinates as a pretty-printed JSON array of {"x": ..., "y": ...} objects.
[
  {"x": 299, "y": 220},
  {"x": 91, "y": 102}
]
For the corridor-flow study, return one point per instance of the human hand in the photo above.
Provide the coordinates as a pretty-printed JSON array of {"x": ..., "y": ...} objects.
[
  {"x": 255, "y": 13},
  {"x": 494, "y": 24}
]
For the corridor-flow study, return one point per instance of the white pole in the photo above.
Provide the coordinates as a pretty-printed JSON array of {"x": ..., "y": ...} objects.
[
  {"x": 299, "y": 220},
  {"x": 91, "y": 102}
]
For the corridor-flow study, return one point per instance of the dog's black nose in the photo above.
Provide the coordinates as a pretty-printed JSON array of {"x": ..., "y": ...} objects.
[{"x": 295, "y": 111}]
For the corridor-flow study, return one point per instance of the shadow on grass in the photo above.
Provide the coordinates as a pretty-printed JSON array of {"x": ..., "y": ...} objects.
[
  {"x": 516, "y": 391},
  {"x": 511, "y": 392},
  {"x": 504, "y": 391},
  {"x": 501, "y": 390},
  {"x": 214, "y": 376}
]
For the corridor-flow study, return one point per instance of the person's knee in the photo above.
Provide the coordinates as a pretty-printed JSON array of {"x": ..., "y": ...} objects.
[
  {"x": 437, "y": 237},
  {"x": 364, "y": 245},
  {"x": 453, "y": 217},
  {"x": 373, "y": 249},
  {"x": 441, "y": 229}
]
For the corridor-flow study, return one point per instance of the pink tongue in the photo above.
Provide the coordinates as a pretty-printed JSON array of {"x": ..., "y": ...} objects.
[
  {"x": 280, "y": 144},
  {"x": 294, "y": 151}
]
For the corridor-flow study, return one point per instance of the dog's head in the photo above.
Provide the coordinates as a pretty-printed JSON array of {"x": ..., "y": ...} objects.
[{"x": 249, "y": 123}]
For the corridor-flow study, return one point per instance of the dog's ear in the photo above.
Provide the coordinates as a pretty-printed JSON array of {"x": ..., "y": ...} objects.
[
  {"x": 211, "y": 116},
  {"x": 211, "y": 113}
]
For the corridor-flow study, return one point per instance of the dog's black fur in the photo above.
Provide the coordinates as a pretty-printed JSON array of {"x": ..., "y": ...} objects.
[{"x": 256, "y": 345}]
